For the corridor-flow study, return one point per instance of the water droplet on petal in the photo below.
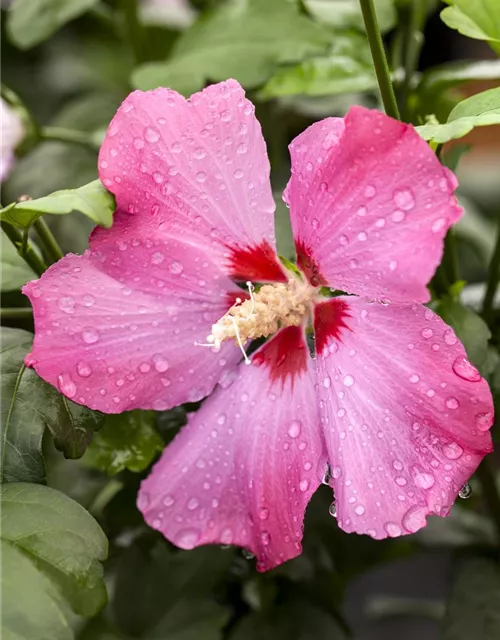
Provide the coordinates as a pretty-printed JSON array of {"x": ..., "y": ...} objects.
[
  {"x": 66, "y": 386},
  {"x": 414, "y": 518},
  {"x": 67, "y": 304},
  {"x": 160, "y": 364},
  {"x": 452, "y": 403},
  {"x": 348, "y": 381},
  {"x": 83, "y": 370},
  {"x": 304, "y": 485},
  {"x": 359, "y": 510},
  {"x": 332, "y": 509},
  {"x": 168, "y": 500},
  {"x": 192, "y": 504},
  {"x": 151, "y": 134},
  {"x": 176, "y": 267},
  {"x": 295, "y": 429},
  {"x": 265, "y": 538},
  {"x": 404, "y": 199},
  {"x": 392, "y": 529},
  {"x": 414, "y": 378},
  {"x": 465, "y": 370},
  {"x": 449, "y": 337},
  {"x": 90, "y": 335},
  {"x": 438, "y": 225},
  {"x": 187, "y": 538},
  {"x": 201, "y": 176},
  {"x": 398, "y": 215},
  {"x": 452, "y": 450},
  {"x": 483, "y": 420}
]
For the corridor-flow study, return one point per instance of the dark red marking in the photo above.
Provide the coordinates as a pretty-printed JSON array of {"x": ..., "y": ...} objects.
[
  {"x": 329, "y": 322},
  {"x": 285, "y": 355},
  {"x": 231, "y": 297},
  {"x": 308, "y": 265},
  {"x": 257, "y": 264}
]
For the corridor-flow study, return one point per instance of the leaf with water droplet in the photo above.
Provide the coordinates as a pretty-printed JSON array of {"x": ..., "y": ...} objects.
[{"x": 471, "y": 330}]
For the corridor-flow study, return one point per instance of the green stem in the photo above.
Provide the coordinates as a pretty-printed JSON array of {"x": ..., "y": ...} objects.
[
  {"x": 413, "y": 36},
  {"x": 24, "y": 249},
  {"x": 379, "y": 58},
  {"x": 486, "y": 477},
  {"x": 492, "y": 281},
  {"x": 135, "y": 30},
  {"x": 71, "y": 136},
  {"x": 16, "y": 313},
  {"x": 49, "y": 243}
]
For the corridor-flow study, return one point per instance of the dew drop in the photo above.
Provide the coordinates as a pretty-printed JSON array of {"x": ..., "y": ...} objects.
[
  {"x": 176, "y": 267},
  {"x": 83, "y": 370},
  {"x": 452, "y": 450},
  {"x": 348, "y": 381},
  {"x": 465, "y": 492},
  {"x": 404, "y": 199},
  {"x": 392, "y": 529},
  {"x": 294, "y": 429},
  {"x": 241, "y": 148},
  {"x": 483, "y": 420},
  {"x": 414, "y": 378},
  {"x": 265, "y": 538},
  {"x": 304, "y": 485},
  {"x": 151, "y": 134},
  {"x": 66, "y": 386},
  {"x": 66, "y": 304},
  {"x": 201, "y": 176},
  {"x": 465, "y": 370},
  {"x": 160, "y": 364},
  {"x": 192, "y": 504},
  {"x": 452, "y": 403},
  {"x": 315, "y": 223},
  {"x": 157, "y": 257},
  {"x": 414, "y": 518},
  {"x": 327, "y": 382},
  {"x": 422, "y": 479},
  {"x": 438, "y": 225},
  {"x": 449, "y": 337},
  {"x": 427, "y": 333},
  {"x": 264, "y": 513},
  {"x": 359, "y": 510},
  {"x": 332, "y": 509},
  {"x": 168, "y": 500},
  {"x": 344, "y": 240},
  {"x": 187, "y": 538},
  {"x": 398, "y": 216},
  {"x": 90, "y": 335}
]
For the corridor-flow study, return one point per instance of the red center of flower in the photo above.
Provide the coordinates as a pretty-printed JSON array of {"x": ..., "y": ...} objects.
[
  {"x": 285, "y": 355},
  {"x": 308, "y": 265},
  {"x": 257, "y": 263},
  {"x": 330, "y": 320}
]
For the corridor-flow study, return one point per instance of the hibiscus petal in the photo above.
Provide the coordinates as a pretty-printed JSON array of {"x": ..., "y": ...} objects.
[
  {"x": 405, "y": 415},
  {"x": 370, "y": 205},
  {"x": 244, "y": 468},
  {"x": 200, "y": 167},
  {"x": 115, "y": 328}
]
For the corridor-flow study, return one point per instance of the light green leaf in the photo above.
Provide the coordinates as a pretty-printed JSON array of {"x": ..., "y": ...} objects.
[
  {"x": 15, "y": 271},
  {"x": 180, "y": 624},
  {"x": 479, "y": 19},
  {"x": 33, "y": 21},
  {"x": 437, "y": 79},
  {"x": 346, "y": 69},
  {"x": 92, "y": 200},
  {"x": 480, "y": 110},
  {"x": 29, "y": 406},
  {"x": 244, "y": 39},
  {"x": 54, "y": 549},
  {"x": 126, "y": 441},
  {"x": 473, "y": 610},
  {"x": 470, "y": 328},
  {"x": 346, "y": 14}
]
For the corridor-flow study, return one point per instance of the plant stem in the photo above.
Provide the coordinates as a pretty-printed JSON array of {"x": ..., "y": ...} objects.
[
  {"x": 492, "y": 281},
  {"x": 71, "y": 136},
  {"x": 379, "y": 58},
  {"x": 487, "y": 479},
  {"x": 49, "y": 243},
  {"x": 412, "y": 34},
  {"x": 16, "y": 313},
  {"x": 24, "y": 249},
  {"x": 135, "y": 30}
]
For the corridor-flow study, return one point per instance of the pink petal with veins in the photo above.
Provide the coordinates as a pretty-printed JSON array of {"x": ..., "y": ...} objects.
[
  {"x": 115, "y": 328},
  {"x": 246, "y": 465},
  {"x": 370, "y": 205},
  {"x": 200, "y": 167},
  {"x": 405, "y": 415}
]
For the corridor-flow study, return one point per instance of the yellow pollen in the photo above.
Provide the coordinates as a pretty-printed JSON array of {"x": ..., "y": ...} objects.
[{"x": 273, "y": 307}]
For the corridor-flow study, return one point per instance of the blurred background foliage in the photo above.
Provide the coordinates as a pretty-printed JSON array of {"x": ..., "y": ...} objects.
[{"x": 71, "y": 63}]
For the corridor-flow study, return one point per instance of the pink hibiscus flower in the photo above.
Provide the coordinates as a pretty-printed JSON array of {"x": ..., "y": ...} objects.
[{"x": 390, "y": 403}]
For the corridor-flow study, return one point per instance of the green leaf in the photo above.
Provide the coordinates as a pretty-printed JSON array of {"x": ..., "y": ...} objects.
[
  {"x": 471, "y": 330},
  {"x": 15, "y": 272},
  {"x": 156, "y": 587},
  {"x": 473, "y": 610},
  {"x": 437, "y": 79},
  {"x": 244, "y": 39},
  {"x": 479, "y": 19},
  {"x": 33, "y": 21},
  {"x": 299, "y": 620},
  {"x": 92, "y": 200},
  {"x": 54, "y": 549},
  {"x": 480, "y": 110},
  {"x": 347, "y": 69},
  {"x": 28, "y": 407},
  {"x": 126, "y": 441},
  {"x": 346, "y": 14}
]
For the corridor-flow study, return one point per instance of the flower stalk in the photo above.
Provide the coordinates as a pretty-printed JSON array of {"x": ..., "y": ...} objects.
[
  {"x": 52, "y": 249},
  {"x": 24, "y": 248},
  {"x": 379, "y": 58}
]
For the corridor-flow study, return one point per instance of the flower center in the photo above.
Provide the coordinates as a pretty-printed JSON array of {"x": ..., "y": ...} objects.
[{"x": 273, "y": 307}]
